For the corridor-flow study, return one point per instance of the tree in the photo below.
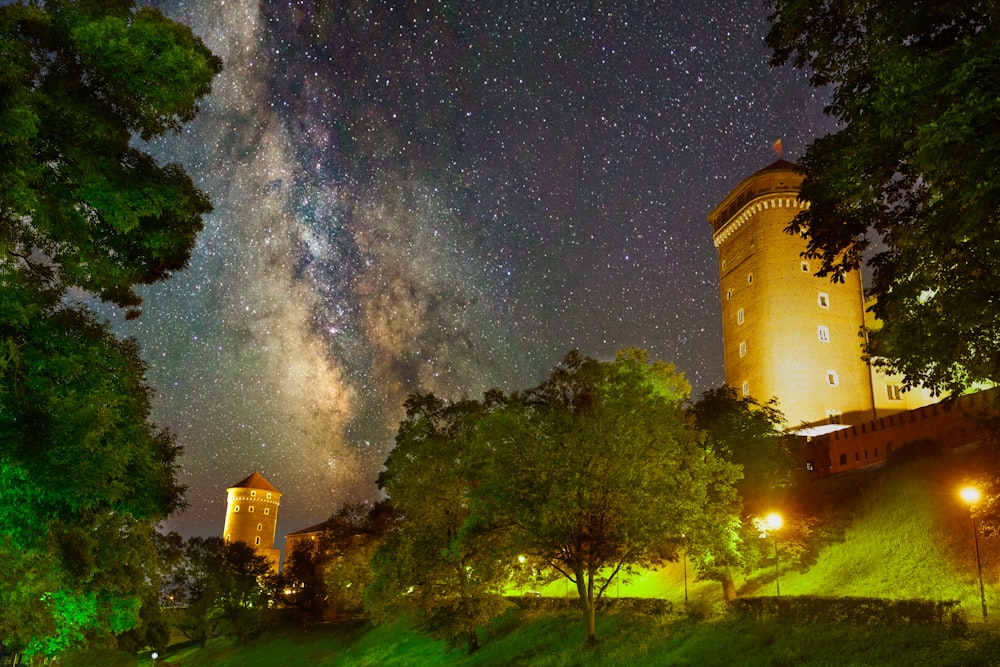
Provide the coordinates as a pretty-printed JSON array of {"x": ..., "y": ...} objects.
[
  {"x": 327, "y": 576},
  {"x": 598, "y": 471},
  {"x": 153, "y": 629},
  {"x": 446, "y": 582},
  {"x": 747, "y": 432},
  {"x": 220, "y": 581},
  {"x": 81, "y": 206},
  {"x": 357, "y": 533},
  {"x": 911, "y": 175},
  {"x": 83, "y": 472},
  {"x": 303, "y": 578},
  {"x": 83, "y": 476}
]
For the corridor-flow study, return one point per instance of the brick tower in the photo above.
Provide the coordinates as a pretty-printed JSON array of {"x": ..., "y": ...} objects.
[
  {"x": 786, "y": 333},
  {"x": 252, "y": 516}
]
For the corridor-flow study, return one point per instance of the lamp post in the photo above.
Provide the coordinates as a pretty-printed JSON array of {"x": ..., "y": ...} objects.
[
  {"x": 774, "y": 522},
  {"x": 684, "y": 562},
  {"x": 971, "y": 496}
]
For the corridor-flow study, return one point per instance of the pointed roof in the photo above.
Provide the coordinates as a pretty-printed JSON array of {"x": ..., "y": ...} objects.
[
  {"x": 255, "y": 481},
  {"x": 780, "y": 165}
]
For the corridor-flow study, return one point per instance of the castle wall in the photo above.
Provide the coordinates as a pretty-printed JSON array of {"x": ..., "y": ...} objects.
[{"x": 954, "y": 424}]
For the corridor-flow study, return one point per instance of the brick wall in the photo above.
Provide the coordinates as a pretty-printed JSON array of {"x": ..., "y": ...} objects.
[{"x": 952, "y": 424}]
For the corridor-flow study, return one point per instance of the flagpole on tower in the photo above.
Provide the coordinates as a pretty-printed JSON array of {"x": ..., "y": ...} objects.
[{"x": 776, "y": 147}]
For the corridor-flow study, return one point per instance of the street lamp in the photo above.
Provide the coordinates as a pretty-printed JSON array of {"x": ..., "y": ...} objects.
[
  {"x": 971, "y": 496},
  {"x": 774, "y": 522}
]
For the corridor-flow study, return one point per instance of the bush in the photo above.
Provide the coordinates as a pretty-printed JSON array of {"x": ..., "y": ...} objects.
[
  {"x": 851, "y": 610},
  {"x": 647, "y": 606}
]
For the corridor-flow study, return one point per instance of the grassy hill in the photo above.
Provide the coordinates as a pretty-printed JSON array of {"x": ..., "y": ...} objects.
[{"x": 892, "y": 532}]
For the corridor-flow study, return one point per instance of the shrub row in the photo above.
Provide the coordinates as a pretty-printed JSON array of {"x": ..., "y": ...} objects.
[
  {"x": 851, "y": 610},
  {"x": 649, "y": 606}
]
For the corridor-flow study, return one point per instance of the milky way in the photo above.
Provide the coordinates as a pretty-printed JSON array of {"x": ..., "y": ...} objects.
[{"x": 447, "y": 198}]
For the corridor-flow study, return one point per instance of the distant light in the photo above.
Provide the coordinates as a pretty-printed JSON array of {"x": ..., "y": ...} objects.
[
  {"x": 970, "y": 494},
  {"x": 774, "y": 521}
]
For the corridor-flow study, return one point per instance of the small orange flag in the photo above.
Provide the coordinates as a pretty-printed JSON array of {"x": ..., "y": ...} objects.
[{"x": 776, "y": 147}]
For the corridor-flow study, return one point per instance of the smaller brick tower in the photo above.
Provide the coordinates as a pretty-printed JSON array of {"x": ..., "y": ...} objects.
[{"x": 252, "y": 516}]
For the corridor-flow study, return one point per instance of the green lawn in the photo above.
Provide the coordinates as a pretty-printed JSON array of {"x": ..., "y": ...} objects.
[{"x": 901, "y": 533}]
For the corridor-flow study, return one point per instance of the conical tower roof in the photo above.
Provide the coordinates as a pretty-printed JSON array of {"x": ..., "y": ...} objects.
[
  {"x": 779, "y": 165},
  {"x": 255, "y": 481}
]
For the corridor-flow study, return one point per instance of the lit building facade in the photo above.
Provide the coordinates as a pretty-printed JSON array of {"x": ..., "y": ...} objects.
[
  {"x": 252, "y": 516},
  {"x": 786, "y": 333}
]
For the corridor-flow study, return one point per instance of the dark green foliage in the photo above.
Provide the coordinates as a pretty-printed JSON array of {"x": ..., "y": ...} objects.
[
  {"x": 912, "y": 175},
  {"x": 83, "y": 473},
  {"x": 326, "y": 577},
  {"x": 851, "y": 610},
  {"x": 448, "y": 584},
  {"x": 218, "y": 582},
  {"x": 597, "y": 472},
  {"x": 648, "y": 606},
  {"x": 749, "y": 433},
  {"x": 80, "y": 206}
]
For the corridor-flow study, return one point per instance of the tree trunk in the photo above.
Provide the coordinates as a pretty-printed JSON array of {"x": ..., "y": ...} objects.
[
  {"x": 585, "y": 586},
  {"x": 728, "y": 588},
  {"x": 473, "y": 642}
]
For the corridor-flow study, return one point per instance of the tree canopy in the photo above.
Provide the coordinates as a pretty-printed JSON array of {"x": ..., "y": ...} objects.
[
  {"x": 83, "y": 210},
  {"x": 449, "y": 583},
  {"x": 80, "y": 205},
  {"x": 219, "y": 581},
  {"x": 912, "y": 177},
  {"x": 745, "y": 431},
  {"x": 598, "y": 471}
]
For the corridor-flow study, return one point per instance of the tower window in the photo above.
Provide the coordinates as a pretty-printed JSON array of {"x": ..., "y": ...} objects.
[
  {"x": 253, "y": 494},
  {"x": 746, "y": 388},
  {"x": 835, "y": 416},
  {"x": 824, "y": 333},
  {"x": 843, "y": 459},
  {"x": 236, "y": 508},
  {"x": 894, "y": 392},
  {"x": 269, "y": 496},
  {"x": 256, "y": 541},
  {"x": 805, "y": 266},
  {"x": 749, "y": 279},
  {"x": 743, "y": 348},
  {"x": 267, "y": 510},
  {"x": 260, "y": 527},
  {"x": 250, "y": 509},
  {"x": 824, "y": 300},
  {"x": 739, "y": 316},
  {"x": 723, "y": 264},
  {"x": 832, "y": 379},
  {"x": 729, "y": 295}
]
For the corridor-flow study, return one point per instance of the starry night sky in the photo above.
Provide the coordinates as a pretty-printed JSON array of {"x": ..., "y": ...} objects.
[{"x": 444, "y": 197}]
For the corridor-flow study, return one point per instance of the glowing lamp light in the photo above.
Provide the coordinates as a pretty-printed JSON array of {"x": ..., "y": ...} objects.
[
  {"x": 970, "y": 494},
  {"x": 774, "y": 521}
]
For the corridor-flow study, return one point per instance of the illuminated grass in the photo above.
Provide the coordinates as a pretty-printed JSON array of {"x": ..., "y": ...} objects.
[{"x": 905, "y": 535}]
